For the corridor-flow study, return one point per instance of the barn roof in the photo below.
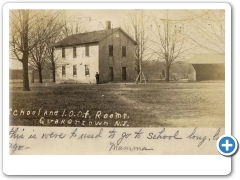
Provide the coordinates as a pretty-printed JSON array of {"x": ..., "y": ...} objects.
[
  {"x": 89, "y": 37},
  {"x": 207, "y": 58}
]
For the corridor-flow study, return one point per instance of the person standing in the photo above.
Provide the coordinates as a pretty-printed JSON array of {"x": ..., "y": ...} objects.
[{"x": 97, "y": 78}]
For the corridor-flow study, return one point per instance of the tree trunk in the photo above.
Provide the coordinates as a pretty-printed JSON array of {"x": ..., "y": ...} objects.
[
  {"x": 25, "y": 51},
  {"x": 167, "y": 73},
  {"x": 40, "y": 74},
  {"x": 25, "y": 72},
  {"x": 137, "y": 68},
  {"x": 53, "y": 74},
  {"x": 53, "y": 65}
]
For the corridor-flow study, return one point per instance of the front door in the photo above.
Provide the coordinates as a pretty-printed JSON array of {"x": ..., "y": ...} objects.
[
  {"x": 111, "y": 75},
  {"x": 124, "y": 74}
]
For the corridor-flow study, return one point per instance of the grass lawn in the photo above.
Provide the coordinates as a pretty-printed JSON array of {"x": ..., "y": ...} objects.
[{"x": 143, "y": 105}]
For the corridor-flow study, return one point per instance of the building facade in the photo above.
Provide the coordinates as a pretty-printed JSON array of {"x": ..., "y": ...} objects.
[{"x": 109, "y": 52}]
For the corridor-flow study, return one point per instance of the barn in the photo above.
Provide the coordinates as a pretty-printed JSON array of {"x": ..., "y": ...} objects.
[{"x": 208, "y": 67}]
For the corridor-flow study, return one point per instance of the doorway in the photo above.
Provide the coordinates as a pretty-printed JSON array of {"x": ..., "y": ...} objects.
[
  {"x": 111, "y": 75},
  {"x": 124, "y": 74}
]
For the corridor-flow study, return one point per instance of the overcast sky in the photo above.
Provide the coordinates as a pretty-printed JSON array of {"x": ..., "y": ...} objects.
[
  {"x": 118, "y": 17},
  {"x": 93, "y": 20}
]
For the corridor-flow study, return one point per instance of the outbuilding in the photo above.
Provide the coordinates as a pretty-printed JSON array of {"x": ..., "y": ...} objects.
[{"x": 207, "y": 67}]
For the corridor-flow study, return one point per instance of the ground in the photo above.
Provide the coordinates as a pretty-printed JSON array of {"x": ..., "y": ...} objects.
[{"x": 140, "y": 105}]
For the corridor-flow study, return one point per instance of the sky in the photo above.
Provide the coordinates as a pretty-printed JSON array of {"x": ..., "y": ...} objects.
[
  {"x": 119, "y": 18},
  {"x": 93, "y": 20},
  {"x": 197, "y": 24},
  {"x": 96, "y": 19}
]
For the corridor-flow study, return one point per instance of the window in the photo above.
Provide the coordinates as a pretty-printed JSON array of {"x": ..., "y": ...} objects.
[
  {"x": 74, "y": 52},
  {"x": 86, "y": 50},
  {"x": 110, "y": 50},
  {"x": 63, "y": 71},
  {"x": 124, "y": 73},
  {"x": 63, "y": 52},
  {"x": 124, "y": 51},
  {"x": 74, "y": 70},
  {"x": 87, "y": 70}
]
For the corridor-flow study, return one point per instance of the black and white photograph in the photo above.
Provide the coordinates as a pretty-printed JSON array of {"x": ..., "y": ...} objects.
[{"x": 106, "y": 77}]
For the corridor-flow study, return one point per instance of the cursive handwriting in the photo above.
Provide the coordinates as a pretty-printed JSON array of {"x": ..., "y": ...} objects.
[
  {"x": 114, "y": 147},
  {"x": 117, "y": 139},
  {"x": 15, "y": 147},
  {"x": 160, "y": 135},
  {"x": 74, "y": 134},
  {"x": 53, "y": 135},
  {"x": 197, "y": 137},
  {"x": 13, "y": 134}
]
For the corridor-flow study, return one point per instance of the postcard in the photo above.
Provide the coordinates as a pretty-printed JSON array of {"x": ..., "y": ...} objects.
[{"x": 146, "y": 81}]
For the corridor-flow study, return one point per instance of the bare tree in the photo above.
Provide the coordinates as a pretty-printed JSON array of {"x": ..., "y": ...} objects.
[
  {"x": 136, "y": 26},
  {"x": 38, "y": 58},
  {"x": 209, "y": 30},
  {"x": 19, "y": 41},
  {"x": 38, "y": 52},
  {"x": 69, "y": 27},
  {"x": 51, "y": 59},
  {"x": 168, "y": 41},
  {"x": 42, "y": 53},
  {"x": 73, "y": 23},
  {"x": 29, "y": 31}
]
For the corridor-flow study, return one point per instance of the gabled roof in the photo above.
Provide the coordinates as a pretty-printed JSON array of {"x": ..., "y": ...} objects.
[
  {"x": 89, "y": 37},
  {"x": 207, "y": 58}
]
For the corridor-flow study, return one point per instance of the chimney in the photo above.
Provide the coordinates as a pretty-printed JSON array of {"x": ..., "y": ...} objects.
[{"x": 108, "y": 25}]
